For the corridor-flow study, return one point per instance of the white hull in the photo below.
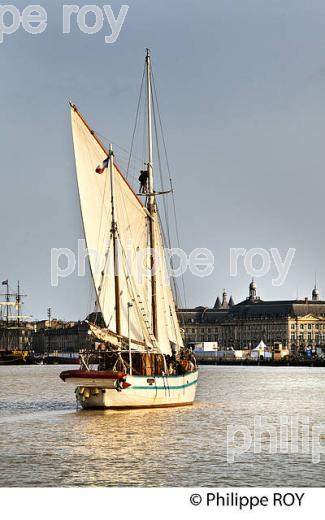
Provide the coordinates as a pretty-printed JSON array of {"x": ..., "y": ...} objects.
[{"x": 143, "y": 392}]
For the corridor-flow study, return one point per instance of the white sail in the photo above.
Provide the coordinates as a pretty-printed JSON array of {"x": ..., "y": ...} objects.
[
  {"x": 104, "y": 335},
  {"x": 132, "y": 229},
  {"x": 168, "y": 325},
  {"x": 131, "y": 218}
]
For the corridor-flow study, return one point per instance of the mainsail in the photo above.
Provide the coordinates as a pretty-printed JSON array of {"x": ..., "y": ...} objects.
[
  {"x": 168, "y": 326},
  {"x": 132, "y": 218}
]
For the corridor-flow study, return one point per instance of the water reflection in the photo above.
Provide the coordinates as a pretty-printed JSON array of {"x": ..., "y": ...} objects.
[{"x": 45, "y": 441}]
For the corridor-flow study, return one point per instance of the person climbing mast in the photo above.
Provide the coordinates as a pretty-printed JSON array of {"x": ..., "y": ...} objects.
[{"x": 144, "y": 175}]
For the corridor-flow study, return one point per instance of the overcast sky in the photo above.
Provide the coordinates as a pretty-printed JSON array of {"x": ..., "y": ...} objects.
[{"x": 241, "y": 86}]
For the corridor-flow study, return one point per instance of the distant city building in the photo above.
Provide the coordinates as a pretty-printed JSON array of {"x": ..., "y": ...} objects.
[
  {"x": 63, "y": 336},
  {"x": 53, "y": 323},
  {"x": 59, "y": 336},
  {"x": 297, "y": 324}
]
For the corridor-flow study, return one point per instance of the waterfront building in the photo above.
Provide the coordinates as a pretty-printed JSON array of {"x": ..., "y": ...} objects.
[
  {"x": 63, "y": 337},
  {"x": 297, "y": 324}
]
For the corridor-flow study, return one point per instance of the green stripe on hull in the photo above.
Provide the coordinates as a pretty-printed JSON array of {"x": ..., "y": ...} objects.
[
  {"x": 167, "y": 387},
  {"x": 168, "y": 377}
]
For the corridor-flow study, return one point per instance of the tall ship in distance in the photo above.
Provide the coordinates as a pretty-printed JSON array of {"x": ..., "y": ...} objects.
[
  {"x": 139, "y": 359},
  {"x": 15, "y": 330}
]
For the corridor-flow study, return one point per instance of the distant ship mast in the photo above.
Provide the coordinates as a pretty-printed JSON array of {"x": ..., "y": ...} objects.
[{"x": 12, "y": 301}]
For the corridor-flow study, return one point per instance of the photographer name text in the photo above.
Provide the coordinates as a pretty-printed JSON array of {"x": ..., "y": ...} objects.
[{"x": 88, "y": 19}]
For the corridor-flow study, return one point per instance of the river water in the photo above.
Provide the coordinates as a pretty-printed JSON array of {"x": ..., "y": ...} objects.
[{"x": 45, "y": 441}]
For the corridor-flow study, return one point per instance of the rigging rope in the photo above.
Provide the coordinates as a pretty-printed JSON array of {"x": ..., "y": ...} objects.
[
  {"x": 126, "y": 151},
  {"x": 132, "y": 160},
  {"x": 136, "y": 122},
  {"x": 170, "y": 178}
]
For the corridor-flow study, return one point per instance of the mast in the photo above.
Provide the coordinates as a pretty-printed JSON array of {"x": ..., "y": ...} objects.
[
  {"x": 49, "y": 325},
  {"x": 7, "y": 313},
  {"x": 152, "y": 200},
  {"x": 18, "y": 304},
  {"x": 115, "y": 247},
  {"x": 130, "y": 305}
]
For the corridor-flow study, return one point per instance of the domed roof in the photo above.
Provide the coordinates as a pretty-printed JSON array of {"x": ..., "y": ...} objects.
[{"x": 252, "y": 285}]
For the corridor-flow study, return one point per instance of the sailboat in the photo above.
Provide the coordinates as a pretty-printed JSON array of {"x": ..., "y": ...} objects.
[
  {"x": 15, "y": 333},
  {"x": 141, "y": 358}
]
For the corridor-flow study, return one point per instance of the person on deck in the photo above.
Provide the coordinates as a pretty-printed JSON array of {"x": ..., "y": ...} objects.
[{"x": 143, "y": 181}]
